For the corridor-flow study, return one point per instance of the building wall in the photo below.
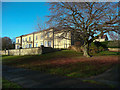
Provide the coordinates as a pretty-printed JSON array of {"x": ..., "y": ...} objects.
[{"x": 47, "y": 38}]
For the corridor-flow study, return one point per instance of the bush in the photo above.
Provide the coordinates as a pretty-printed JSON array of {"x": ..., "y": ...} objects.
[
  {"x": 96, "y": 47},
  {"x": 114, "y": 44},
  {"x": 75, "y": 48}
]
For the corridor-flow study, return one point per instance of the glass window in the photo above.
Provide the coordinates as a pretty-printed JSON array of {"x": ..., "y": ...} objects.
[
  {"x": 27, "y": 45},
  {"x": 36, "y": 45},
  {"x": 17, "y": 47},
  {"x": 45, "y": 43},
  {"x": 36, "y": 37},
  {"x": 23, "y": 39},
  {"x": 49, "y": 43},
  {"x": 41, "y": 36},
  {"x": 22, "y": 46},
  {"x": 41, "y": 43},
  {"x": 26, "y": 39},
  {"x": 48, "y": 34},
  {"x": 30, "y": 45},
  {"x": 29, "y": 38},
  {"x": 18, "y": 40}
]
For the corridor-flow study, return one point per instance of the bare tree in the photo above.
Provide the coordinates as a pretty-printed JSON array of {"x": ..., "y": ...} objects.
[{"x": 85, "y": 20}]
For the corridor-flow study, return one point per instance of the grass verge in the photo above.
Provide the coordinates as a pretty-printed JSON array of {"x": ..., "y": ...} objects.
[{"x": 9, "y": 84}]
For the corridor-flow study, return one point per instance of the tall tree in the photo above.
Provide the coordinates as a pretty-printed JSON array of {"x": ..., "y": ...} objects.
[
  {"x": 86, "y": 20},
  {"x": 7, "y": 43}
]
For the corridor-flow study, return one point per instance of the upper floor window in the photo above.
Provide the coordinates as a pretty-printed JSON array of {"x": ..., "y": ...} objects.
[
  {"x": 41, "y": 36},
  {"x": 18, "y": 40},
  {"x": 29, "y": 38},
  {"x": 48, "y": 34},
  {"x": 23, "y": 39},
  {"x": 26, "y": 39},
  {"x": 36, "y": 37}
]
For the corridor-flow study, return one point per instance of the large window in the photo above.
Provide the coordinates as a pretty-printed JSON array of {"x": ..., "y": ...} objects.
[
  {"x": 48, "y": 34},
  {"x": 25, "y": 46},
  {"x": 17, "y": 47},
  {"x": 45, "y": 43},
  {"x": 29, "y": 38},
  {"x": 23, "y": 39},
  {"x": 36, "y": 45},
  {"x": 18, "y": 40},
  {"x": 49, "y": 43},
  {"x": 26, "y": 39},
  {"x": 41, "y": 43},
  {"x": 36, "y": 37},
  {"x": 30, "y": 45},
  {"x": 41, "y": 36}
]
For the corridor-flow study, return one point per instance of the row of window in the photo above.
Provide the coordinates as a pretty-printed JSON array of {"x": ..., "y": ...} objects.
[
  {"x": 47, "y": 44},
  {"x": 48, "y": 34}
]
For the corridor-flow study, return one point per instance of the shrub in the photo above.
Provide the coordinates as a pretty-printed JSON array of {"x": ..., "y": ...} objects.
[
  {"x": 96, "y": 47},
  {"x": 114, "y": 44}
]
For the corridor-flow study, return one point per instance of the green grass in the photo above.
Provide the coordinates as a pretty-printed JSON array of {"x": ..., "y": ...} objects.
[
  {"x": 9, "y": 84},
  {"x": 48, "y": 56},
  {"x": 107, "y": 53},
  {"x": 79, "y": 69}
]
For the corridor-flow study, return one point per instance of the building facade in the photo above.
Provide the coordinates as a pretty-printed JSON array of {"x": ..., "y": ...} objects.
[
  {"x": 49, "y": 38},
  {"x": 101, "y": 39}
]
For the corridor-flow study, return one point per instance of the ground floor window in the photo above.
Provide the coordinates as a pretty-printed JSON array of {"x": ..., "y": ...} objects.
[
  {"x": 45, "y": 43},
  {"x": 30, "y": 45},
  {"x": 25, "y": 46},
  {"x": 36, "y": 45},
  {"x": 49, "y": 43},
  {"x": 18, "y": 47},
  {"x": 41, "y": 43}
]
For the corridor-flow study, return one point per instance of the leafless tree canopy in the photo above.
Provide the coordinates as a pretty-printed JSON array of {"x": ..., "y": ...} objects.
[{"x": 87, "y": 20}]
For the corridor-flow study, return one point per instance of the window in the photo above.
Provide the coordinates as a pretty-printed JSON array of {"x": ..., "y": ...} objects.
[
  {"x": 18, "y": 46},
  {"x": 36, "y": 45},
  {"x": 48, "y": 34},
  {"x": 41, "y": 43},
  {"x": 36, "y": 37},
  {"x": 22, "y": 46},
  {"x": 49, "y": 43},
  {"x": 23, "y": 39},
  {"x": 29, "y": 38},
  {"x": 45, "y": 43},
  {"x": 25, "y": 46},
  {"x": 41, "y": 36},
  {"x": 18, "y": 40},
  {"x": 26, "y": 39},
  {"x": 30, "y": 45}
]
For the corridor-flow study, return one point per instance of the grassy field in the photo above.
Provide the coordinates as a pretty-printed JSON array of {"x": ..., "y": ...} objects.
[
  {"x": 9, "y": 84},
  {"x": 66, "y": 62}
]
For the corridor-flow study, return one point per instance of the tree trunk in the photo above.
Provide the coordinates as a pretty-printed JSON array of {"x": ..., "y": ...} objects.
[{"x": 86, "y": 51}]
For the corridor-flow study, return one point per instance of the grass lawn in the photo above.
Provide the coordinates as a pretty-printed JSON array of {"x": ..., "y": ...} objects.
[
  {"x": 9, "y": 84},
  {"x": 66, "y": 62}
]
